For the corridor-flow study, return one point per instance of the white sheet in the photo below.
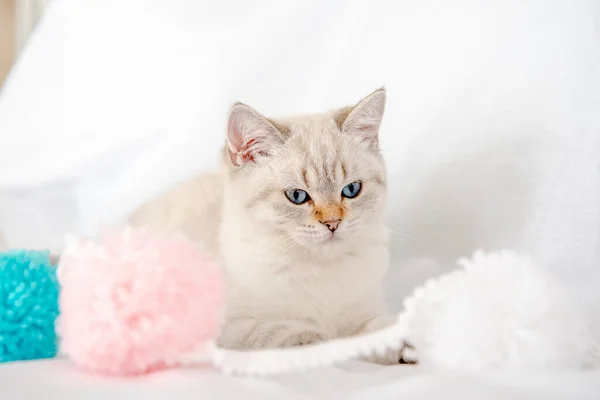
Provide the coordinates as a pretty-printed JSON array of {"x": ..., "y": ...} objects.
[
  {"x": 59, "y": 380},
  {"x": 492, "y": 131}
]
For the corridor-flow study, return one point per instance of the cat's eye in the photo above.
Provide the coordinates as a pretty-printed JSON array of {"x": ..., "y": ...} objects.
[
  {"x": 297, "y": 196},
  {"x": 351, "y": 190}
]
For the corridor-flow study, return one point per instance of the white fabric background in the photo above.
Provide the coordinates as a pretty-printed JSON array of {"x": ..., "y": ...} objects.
[{"x": 492, "y": 130}]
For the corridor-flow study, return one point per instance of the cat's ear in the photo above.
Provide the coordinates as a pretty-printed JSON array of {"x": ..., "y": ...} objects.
[
  {"x": 363, "y": 120},
  {"x": 250, "y": 136}
]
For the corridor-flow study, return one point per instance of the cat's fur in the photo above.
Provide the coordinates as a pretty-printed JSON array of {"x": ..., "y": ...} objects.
[{"x": 292, "y": 281}]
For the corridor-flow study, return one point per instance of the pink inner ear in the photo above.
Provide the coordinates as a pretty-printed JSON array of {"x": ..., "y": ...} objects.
[
  {"x": 250, "y": 150},
  {"x": 249, "y": 136},
  {"x": 247, "y": 152},
  {"x": 233, "y": 145},
  {"x": 234, "y": 142},
  {"x": 366, "y": 127},
  {"x": 233, "y": 157}
]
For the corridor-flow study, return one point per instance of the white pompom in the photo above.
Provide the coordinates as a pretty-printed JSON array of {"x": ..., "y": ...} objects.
[{"x": 498, "y": 310}]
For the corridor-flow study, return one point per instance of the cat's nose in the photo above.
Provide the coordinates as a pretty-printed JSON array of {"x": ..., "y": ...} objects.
[{"x": 332, "y": 225}]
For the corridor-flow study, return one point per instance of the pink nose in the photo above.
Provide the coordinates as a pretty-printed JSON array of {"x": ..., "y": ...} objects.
[{"x": 331, "y": 225}]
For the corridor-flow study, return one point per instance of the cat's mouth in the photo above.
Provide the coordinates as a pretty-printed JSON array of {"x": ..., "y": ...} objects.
[
  {"x": 329, "y": 238},
  {"x": 313, "y": 239},
  {"x": 332, "y": 237}
]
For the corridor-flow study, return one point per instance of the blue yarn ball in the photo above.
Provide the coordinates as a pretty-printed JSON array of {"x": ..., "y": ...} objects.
[{"x": 28, "y": 305}]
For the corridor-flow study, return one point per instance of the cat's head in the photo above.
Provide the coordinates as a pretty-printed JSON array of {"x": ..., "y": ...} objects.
[{"x": 316, "y": 180}]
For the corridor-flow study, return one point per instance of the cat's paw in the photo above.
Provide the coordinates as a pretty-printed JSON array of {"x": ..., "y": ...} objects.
[
  {"x": 250, "y": 333},
  {"x": 302, "y": 339},
  {"x": 390, "y": 357}
]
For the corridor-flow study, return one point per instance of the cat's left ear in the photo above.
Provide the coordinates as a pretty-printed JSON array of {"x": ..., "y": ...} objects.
[
  {"x": 250, "y": 136},
  {"x": 364, "y": 119}
]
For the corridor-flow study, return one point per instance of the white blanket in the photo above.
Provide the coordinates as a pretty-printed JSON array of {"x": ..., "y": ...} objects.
[
  {"x": 57, "y": 379},
  {"x": 492, "y": 131}
]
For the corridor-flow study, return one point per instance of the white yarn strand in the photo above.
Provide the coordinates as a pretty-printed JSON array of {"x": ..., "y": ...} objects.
[
  {"x": 279, "y": 361},
  {"x": 434, "y": 307}
]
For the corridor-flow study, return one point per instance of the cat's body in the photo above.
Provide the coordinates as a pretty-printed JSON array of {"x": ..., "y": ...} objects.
[
  {"x": 295, "y": 216},
  {"x": 193, "y": 208}
]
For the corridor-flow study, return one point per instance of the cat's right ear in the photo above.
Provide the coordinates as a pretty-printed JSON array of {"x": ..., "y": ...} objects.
[
  {"x": 250, "y": 136},
  {"x": 363, "y": 120}
]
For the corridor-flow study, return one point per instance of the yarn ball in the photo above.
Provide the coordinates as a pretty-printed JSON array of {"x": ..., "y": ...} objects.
[
  {"x": 137, "y": 301},
  {"x": 499, "y": 310},
  {"x": 28, "y": 305}
]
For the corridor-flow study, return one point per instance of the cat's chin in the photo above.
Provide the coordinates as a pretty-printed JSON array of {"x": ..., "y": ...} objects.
[{"x": 325, "y": 242}]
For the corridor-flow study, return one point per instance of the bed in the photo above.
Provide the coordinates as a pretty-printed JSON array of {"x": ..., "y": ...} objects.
[
  {"x": 491, "y": 136},
  {"x": 354, "y": 380}
]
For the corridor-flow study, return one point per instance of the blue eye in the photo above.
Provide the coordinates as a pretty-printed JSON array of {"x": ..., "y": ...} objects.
[
  {"x": 297, "y": 196},
  {"x": 351, "y": 190}
]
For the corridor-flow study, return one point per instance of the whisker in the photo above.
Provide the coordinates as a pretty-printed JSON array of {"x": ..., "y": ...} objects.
[
  {"x": 286, "y": 238},
  {"x": 408, "y": 238},
  {"x": 285, "y": 244},
  {"x": 290, "y": 247},
  {"x": 357, "y": 224}
]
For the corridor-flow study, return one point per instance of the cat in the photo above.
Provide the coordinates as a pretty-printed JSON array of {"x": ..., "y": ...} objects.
[{"x": 296, "y": 217}]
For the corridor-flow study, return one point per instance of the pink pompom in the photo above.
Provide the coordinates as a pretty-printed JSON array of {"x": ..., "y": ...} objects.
[{"x": 137, "y": 302}]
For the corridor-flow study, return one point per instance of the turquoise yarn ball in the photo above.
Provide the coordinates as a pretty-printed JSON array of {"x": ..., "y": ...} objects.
[{"x": 28, "y": 305}]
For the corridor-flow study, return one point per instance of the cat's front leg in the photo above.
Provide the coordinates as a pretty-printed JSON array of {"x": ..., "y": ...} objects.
[
  {"x": 379, "y": 322},
  {"x": 252, "y": 333}
]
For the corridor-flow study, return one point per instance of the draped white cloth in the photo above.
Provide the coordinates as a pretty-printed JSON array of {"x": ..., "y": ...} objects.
[{"x": 491, "y": 133}]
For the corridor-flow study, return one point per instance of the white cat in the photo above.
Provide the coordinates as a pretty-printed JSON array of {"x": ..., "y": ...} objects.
[{"x": 296, "y": 218}]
